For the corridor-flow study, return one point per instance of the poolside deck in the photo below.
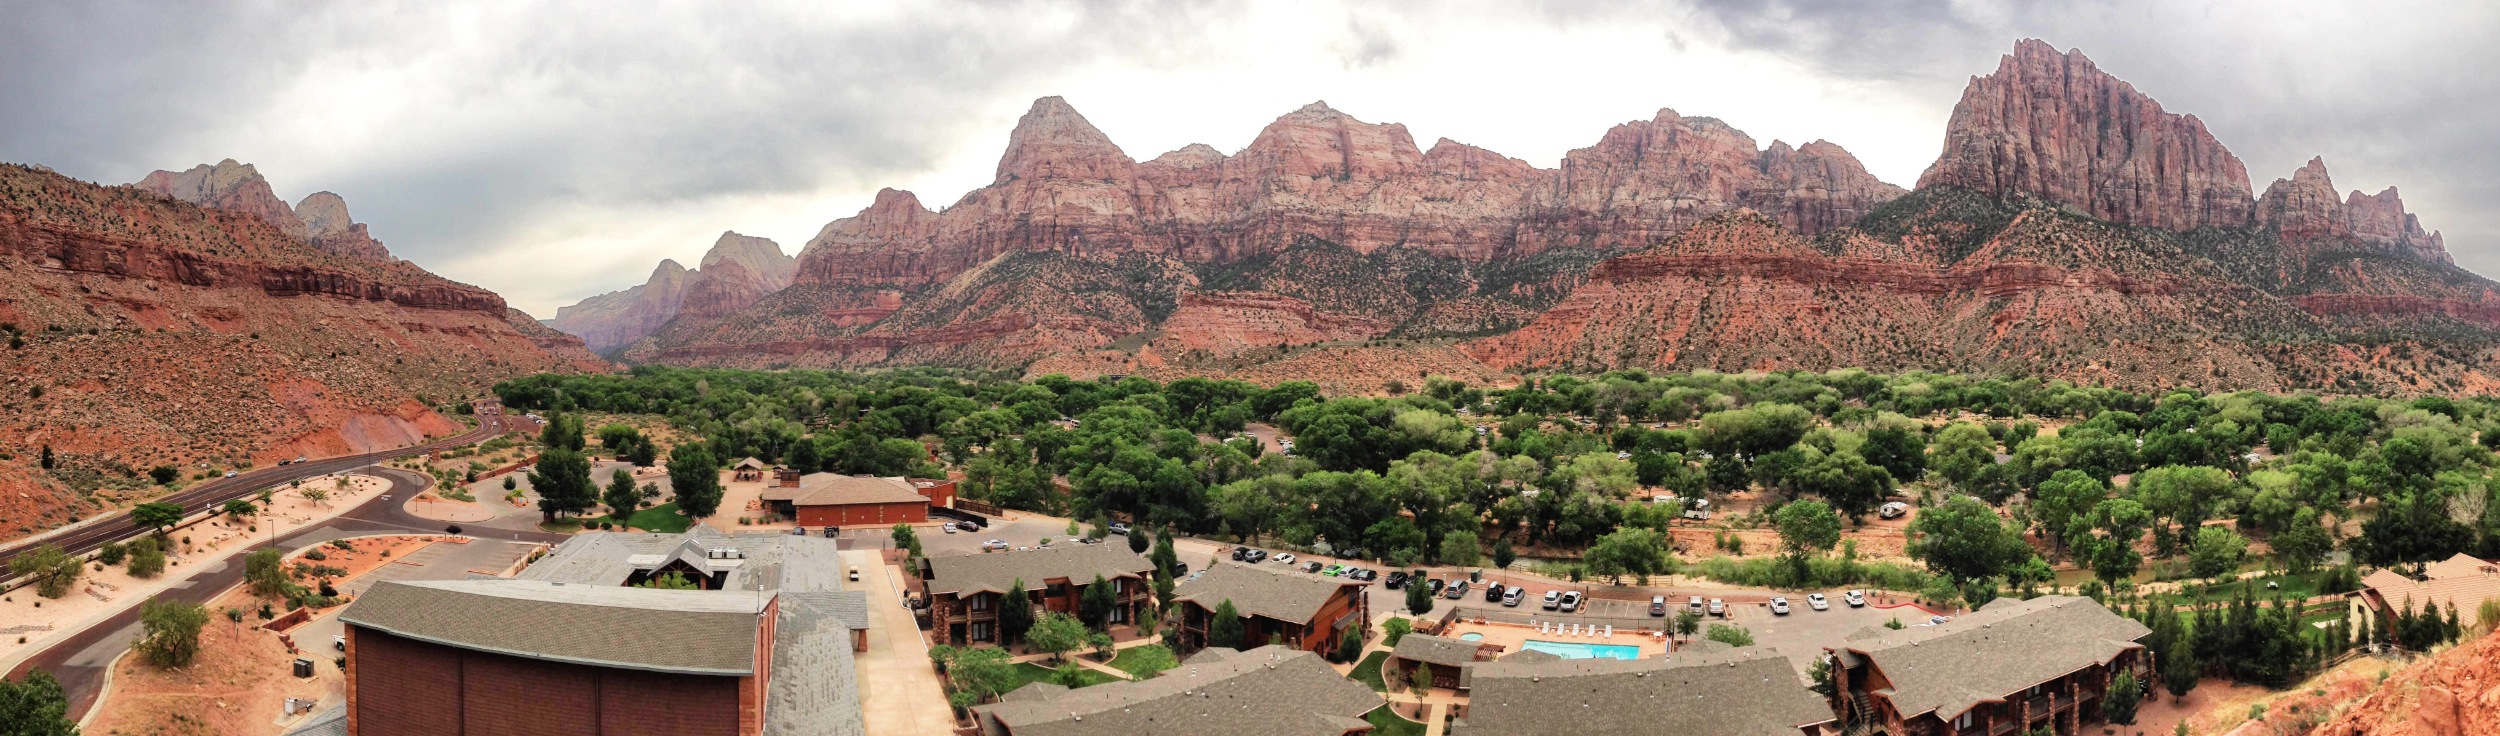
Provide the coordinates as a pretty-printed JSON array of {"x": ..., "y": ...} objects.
[{"x": 1514, "y": 637}]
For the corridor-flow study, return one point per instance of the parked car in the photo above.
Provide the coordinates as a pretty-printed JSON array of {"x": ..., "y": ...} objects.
[
  {"x": 1286, "y": 558},
  {"x": 1571, "y": 601},
  {"x": 1553, "y": 599},
  {"x": 1397, "y": 579},
  {"x": 1697, "y": 514},
  {"x": 1779, "y": 605},
  {"x": 994, "y": 545},
  {"x": 1364, "y": 574},
  {"x": 1512, "y": 597},
  {"x": 1493, "y": 592},
  {"x": 1455, "y": 591},
  {"x": 1817, "y": 602},
  {"x": 1657, "y": 605},
  {"x": 830, "y": 532},
  {"x": 949, "y": 528},
  {"x": 1718, "y": 607},
  {"x": 1180, "y": 569},
  {"x": 1855, "y": 598},
  {"x": 1893, "y": 510},
  {"x": 1312, "y": 566},
  {"x": 1120, "y": 528},
  {"x": 799, "y": 530},
  {"x": 1257, "y": 556},
  {"x": 339, "y": 640},
  {"x": 1331, "y": 570},
  {"x": 1241, "y": 553},
  {"x": 1938, "y": 620},
  {"x": 1695, "y": 604},
  {"x": 1433, "y": 585}
]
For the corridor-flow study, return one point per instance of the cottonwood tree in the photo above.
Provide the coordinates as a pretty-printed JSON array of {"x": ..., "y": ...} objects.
[
  {"x": 157, "y": 517},
  {"x": 1056, "y": 633},
  {"x": 171, "y": 629},
  {"x": 35, "y": 706},
  {"x": 1807, "y": 529},
  {"x": 694, "y": 476},
  {"x": 52, "y": 569},
  {"x": 1965, "y": 540}
]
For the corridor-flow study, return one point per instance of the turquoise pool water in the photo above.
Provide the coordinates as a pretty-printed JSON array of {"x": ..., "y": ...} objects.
[
  {"x": 1472, "y": 636},
  {"x": 1583, "y": 650}
]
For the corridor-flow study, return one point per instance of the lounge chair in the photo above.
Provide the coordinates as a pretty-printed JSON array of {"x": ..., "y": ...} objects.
[
  {"x": 1542, "y": 626},
  {"x": 1610, "y": 631}
]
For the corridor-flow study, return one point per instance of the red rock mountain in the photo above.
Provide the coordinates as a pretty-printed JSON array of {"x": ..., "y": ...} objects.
[
  {"x": 2056, "y": 126},
  {"x": 145, "y": 330},
  {"x": 236, "y": 187},
  {"x": 2072, "y": 228},
  {"x": 1333, "y": 198},
  {"x": 738, "y": 271}
]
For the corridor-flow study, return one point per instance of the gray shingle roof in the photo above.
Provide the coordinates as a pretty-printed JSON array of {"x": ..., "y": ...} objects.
[
  {"x": 1436, "y": 650},
  {"x": 995, "y": 572},
  {"x": 1999, "y": 650},
  {"x": 815, "y": 688},
  {"x": 331, "y": 721},
  {"x": 1260, "y": 591},
  {"x": 774, "y": 561},
  {"x": 1746, "y": 692},
  {"x": 1268, "y": 691},
  {"x": 706, "y": 632}
]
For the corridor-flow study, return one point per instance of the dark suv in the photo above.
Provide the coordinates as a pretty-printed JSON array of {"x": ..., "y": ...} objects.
[
  {"x": 1494, "y": 592},
  {"x": 1397, "y": 579}
]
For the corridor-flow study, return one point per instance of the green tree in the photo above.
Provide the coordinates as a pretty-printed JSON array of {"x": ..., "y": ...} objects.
[
  {"x": 1637, "y": 552},
  {"x": 694, "y": 477},
  {"x": 671, "y": 580},
  {"x": 1460, "y": 548},
  {"x": 2065, "y": 500},
  {"x": 984, "y": 672},
  {"x": 2110, "y": 550},
  {"x": 265, "y": 572},
  {"x": 157, "y": 517},
  {"x": 1964, "y": 539},
  {"x": 1095, "y": 604},
  {"x": 2118, "y": 706},
  {"x": 508, "y": 485},
  {"x": 1807, "y": 529},
  {"x": 1147, "y": 661},
  {"x": 1960, "y": 450},
  {"x": 1418, "y": 598},
  {"x": 2304, "y": 543},
  {"x": 623, "y": 496},
  {"x": 1015, "y": 613},
  {"x": 1419, "y": 678},
  {"x": 563, "y": 432},
  {"x": 35, "y": 706},
  {"x": 1395, "y": 629},
  {"x": 171, "y": 631},
  {"x": 239, "y": 509},
  {"x": 1734, "y": 636},
  {"x": 2217, "y": 552},
  {"x": 1687, "y": 622},
  {"x": 147, "y": 557},
  {"x": 1056, "y": 633},
  {"x": 1163, "y": 558},
  {"x": 164, "y": 474},
  {"x": 562, "y": 480},
  {"x": 1225, "y": 630},
  {"x": 52, "y": 569},
  {"x": 1847, "y": 481},
  {"x": 1502, "y": 553},
  {"x": 1137, "y": 541},
  {"x": 907, "y": 540}
]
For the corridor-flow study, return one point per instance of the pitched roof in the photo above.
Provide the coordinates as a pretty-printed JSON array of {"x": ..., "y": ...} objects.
[
  {"x": 772, "y": 561},
  {"x": 815, "y": 691},
  {"x": 835, "y": 489},
  {"x": 995, "y": 572},
  {"x": 1268, "y": 691},
  {"x": 1999, "y": 650},
  {"x": 2458, "y": 584},
  {"x": 1435, "y": 649},
  {"x": 1745, "y": 692},
  {"x": 1260, "y": 591},
  {"x": 708, "y": 632},
  {"x": 751, "y": 464}
]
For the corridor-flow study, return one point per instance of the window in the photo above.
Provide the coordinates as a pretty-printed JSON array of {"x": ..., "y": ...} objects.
[
  {"x": 981, "y": 602},
  {"x": 981, "y": 631},
  {"x": 1963, "y": 720},
  {"x": 1058, "y": 590}
]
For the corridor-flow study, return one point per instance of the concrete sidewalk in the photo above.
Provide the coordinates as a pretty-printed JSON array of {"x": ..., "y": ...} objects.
[{"x": 900, "y": 694}]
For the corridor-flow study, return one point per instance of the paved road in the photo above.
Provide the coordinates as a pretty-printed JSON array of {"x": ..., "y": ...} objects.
[
  {"x": 81, "y": 660},
  {"x": 216, "y": 492}
]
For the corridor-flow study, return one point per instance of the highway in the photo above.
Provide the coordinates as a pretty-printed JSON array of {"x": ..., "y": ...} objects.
[{"x": 216, "y": 492}]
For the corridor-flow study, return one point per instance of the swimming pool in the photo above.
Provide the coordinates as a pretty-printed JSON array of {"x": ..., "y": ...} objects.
[
  {"x": 1472, "y": 636},
  {"x": 1583, "y": 650}
]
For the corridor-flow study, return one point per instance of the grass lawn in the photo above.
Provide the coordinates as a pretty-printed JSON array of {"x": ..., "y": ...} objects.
[
  {"x": 1130, "y": 659},
  {"x": 1026, "y": 673},
  {"x": 1385, "y": 723},
  {"x": 662, "y": 518},
  {"x": 2295, "y": 587},
  {"x": 1368, "y": 673}
]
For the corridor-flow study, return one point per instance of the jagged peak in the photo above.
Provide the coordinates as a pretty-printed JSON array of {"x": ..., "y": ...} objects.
[
  {"x": 746, "y": 250},
  {"x": 667, "y": 267},
  {"x": 891, "y": 200},
  {"x": 324, "y": 213},
  {"x": 1192, "y": 156},
  {"x": 1317, "y": 109},
  {"x": 1054, "y": 139}
]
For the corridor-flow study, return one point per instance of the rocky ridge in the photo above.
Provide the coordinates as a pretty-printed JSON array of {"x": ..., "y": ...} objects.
[
  {"x": 321, "y": 217},
  {"x": 738, "y": 271},
  {"x": 146, "y": 330}
]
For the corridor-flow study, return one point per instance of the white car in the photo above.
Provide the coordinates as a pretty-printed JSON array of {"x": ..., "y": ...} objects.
[
  {"x": 1855, "y": 598},
  {"x": 1893, "y": 510},
  {"x": 1779, "y": 606},
  {"x": 1553, "y": 599},
  {"x": 1817, "y": 602},
  {"x": 1718, "y": 607},
  {"x": 340, "y": 641},
  {"x": 1286, "y": 558},
  {"x": 950, "y": 528}
]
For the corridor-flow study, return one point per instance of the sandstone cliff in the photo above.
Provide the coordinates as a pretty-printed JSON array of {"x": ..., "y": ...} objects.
[
  {"x": 2456, "y": 693},
  {"x": 2056, "y": 126},
  {"x": 737, "y": 272},
  {"x": 143, "y": 330},
  {"x": 237, "y": 187}
]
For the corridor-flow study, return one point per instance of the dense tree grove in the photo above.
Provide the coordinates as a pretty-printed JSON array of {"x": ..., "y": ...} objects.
[{"x": 1559, "y": 462}]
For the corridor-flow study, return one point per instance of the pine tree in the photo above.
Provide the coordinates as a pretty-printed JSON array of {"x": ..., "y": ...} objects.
[
  {"x": 1015, "y": 614},
  {"x": 1225, "y": 630}
]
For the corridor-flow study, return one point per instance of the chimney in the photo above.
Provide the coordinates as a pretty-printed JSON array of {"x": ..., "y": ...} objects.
[{"x": 789, "y": 477}]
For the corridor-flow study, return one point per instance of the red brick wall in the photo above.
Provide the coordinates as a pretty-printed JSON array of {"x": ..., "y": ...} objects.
[
  {"x": 941, "y": 493},
  {"x": 404, "y": 686},
  {"x": 864, "y": 514}
]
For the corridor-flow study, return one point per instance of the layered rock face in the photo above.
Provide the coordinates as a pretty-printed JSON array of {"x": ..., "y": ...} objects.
[
  {"x": 1063, "y": 186},
  {"x": 238, "y": 187},
  {"x": 737, "y": 272},
  {"x": 2055, "y": 126},
  {"x": 2306, "y": 213},
  {"x": 155, "y": 331}
]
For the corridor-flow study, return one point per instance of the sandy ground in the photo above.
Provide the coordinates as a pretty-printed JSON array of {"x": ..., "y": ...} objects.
[
  {"x": 29, "y": 622},
  {"x": 743, "y": 499},
  {"x": 430, "y": 506},
  {"x": 238, "y": 683},
  {"x": 899, "y": 692}
]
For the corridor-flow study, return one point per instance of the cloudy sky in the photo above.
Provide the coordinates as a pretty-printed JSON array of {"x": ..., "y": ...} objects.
[{"x": 550, "y": 151}]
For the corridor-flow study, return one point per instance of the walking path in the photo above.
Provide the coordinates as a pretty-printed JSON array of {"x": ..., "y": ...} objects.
[
  {"x": 899, "y": 692},
  {"x": 1432, "y": 721}
]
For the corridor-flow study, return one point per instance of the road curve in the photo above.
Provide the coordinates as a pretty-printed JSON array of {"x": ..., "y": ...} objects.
[{"x": 216, "y": 492}]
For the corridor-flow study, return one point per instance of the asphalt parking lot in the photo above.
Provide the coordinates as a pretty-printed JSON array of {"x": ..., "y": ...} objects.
[{"x": 1804, "y": 633}]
